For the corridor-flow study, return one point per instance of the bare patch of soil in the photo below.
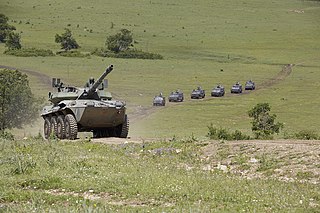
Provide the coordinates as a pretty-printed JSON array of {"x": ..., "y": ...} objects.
[
  {"x": 287, "y": 160},
  {"x": 106, "y": 197}
]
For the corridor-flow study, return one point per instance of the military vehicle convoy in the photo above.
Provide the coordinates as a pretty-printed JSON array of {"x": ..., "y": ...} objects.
[
  {"x": 198, "y": 93},
  {"x": 176, "y": 96},
  {"x": 236, "y": 88},
  {"x": 250, "y": 85},
  {"x": 159, "y": 100},
  {"x": 84, "y": 109},
  {"x": 218, "y": 91}
]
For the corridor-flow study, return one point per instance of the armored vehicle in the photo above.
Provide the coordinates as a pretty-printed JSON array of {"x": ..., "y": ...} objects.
[
  {"x": 159, "y": 100},
  {"x": 198, "y": 93},
  {"x": 218, "y": 91},
  {"x": 176, "y": 96},
  {"x": 250, "y": 85},
  {"x": 236, "y": 88},
  {"x": 84, "y": 109}
]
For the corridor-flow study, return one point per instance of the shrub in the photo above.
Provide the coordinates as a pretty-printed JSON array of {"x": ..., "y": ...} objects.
[
  {"x": 223, "y": 134},
  {"x": 238, "y": 135},
  {"x": 306, "y": 135},
  {"x": 263, "y": 123},
  {"x": 72, "y": 54},
  {"x": 130, "y": 53},
  {"x": 120, "y": 41},
  {"x": 29, "y": 52},
  {"x": 67, "y": 42},
  {"x": 6, "y": 135},
  {"x": 13, "y": 41}
]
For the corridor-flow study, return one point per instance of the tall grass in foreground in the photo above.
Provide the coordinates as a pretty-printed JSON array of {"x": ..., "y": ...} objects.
[{"x": 38, "y": 175}]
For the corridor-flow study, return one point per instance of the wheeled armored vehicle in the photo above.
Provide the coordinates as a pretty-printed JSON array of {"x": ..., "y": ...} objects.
[
  {"x": 176, "y": 96},
  {"x": 236, "y": 88},
  {"x": 159, "y": 100},
  {"x": 218, "y": 91},
  {"x": 250, "y": 85},
  {"x": 198, "y": 93},
  {"x": 84, "y": 109}
]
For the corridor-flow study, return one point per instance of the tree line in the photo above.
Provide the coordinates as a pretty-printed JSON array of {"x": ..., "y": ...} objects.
[{"x": 118, "y": 45}]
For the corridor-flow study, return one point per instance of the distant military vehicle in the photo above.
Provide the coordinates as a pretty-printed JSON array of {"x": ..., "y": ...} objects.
[
  {"x": 159, "y": 100},
  {"x": 218, "y": 91},
  {"x": 176, "y": 96},
  {"x": 250, "y": 85},
  {"x": 236, "y": 88},
  {"x": 84, "y": 109},
  {"x": 198, "y": 93}
]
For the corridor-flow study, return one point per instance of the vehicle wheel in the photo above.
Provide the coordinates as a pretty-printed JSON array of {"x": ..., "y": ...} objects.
[
  {"x": 96, "y": 133},
  {"x": 61, "y": 127},
  {"x": 47, "y": 128},
  {"x": 54, "y": 125},
  {"x": 124, "y": 128},
  {"x": 71, "y": 127},
  {"x": 113, "y": 132}
]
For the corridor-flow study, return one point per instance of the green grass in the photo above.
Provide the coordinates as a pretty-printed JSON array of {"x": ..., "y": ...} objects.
[
  {"x": 248, "y": 40},
  {"x": 78, "y": 176}
]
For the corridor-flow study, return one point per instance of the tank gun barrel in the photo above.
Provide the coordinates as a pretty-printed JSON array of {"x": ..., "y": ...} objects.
[{"x": 100, "y": 79}]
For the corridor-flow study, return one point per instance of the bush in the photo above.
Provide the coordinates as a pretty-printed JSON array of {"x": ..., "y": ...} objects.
[
  {"x": 73, "y": 54},
  {"x": 138, "y": 54},
  {"x": 29, "y": 52},
  {"x": 67, "y": 42},
  {"x": 223, "y": 134},
  {"x": 6, "y": 135},
  {"x": 263, "y": 123},
  {"x": 306, "y": 135},
  {"x": 238, "y": 135}
]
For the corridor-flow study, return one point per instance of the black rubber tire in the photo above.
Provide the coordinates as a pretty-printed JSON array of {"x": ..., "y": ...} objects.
[
  {"x": 47, "y": 128},
  {"x": 96, "y": 133},
  {"x": 54, "y": 125},
  {"x": 61, "y": 129},
  {"x": 71, "y": 127},
  {"x": 125, "y": 128}
]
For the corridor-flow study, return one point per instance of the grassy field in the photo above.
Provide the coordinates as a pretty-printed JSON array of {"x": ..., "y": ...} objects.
[
  {"x": 167, "y": 176},
  {"x": 248, "y": 40}
]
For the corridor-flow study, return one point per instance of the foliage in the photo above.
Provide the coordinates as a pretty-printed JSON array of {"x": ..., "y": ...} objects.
[
  {"x": 155, "y": 177},
  {"x": 263, "y": 124},
  {"x": 6, "y": 135},
  {"x": 223, "y": 134},
  {"x": 13, "y": 41},
  {"x": 66, "y": 40},
  {"x": 307, "y": 135},
  {"x": 130, "y": 53},
  {"x": 5, "y": 28},
  {"x": 72, "y": 54},
  {"x": 18, "y": 106},
  {"x": 120, "y": 41},
  {"x": 29, "y": 52}
]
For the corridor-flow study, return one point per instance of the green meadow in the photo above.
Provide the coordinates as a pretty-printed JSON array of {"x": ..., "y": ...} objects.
[
  {"x": 246, "y": 39},
  {"x": 204, "y": 43}
]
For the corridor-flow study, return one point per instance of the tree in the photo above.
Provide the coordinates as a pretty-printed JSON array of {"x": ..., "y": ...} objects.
[
  {"x": 120, "y": 41},
  {"x": 263, "y": 124},
  {"x": 13, "y": 41},
  {"x": 66, "y": 40},
  {"x": 18, "y": 106},
  {"x": 5, "y": 28}
]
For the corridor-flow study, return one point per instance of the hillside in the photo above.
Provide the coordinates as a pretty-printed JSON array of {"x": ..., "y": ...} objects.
[
  {"x": 248, "y": 40},
  {"x": 159, "y": 176},
  {"x": 167, "y": 164}
]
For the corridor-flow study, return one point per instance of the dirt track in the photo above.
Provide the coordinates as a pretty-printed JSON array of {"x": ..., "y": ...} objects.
[{"x": 140, "y": 112}]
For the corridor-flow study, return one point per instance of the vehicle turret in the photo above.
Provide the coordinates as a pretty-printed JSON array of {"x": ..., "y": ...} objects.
[
  {"x": 89, "y": 91},
  {"x": 85, "y": 109}
]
